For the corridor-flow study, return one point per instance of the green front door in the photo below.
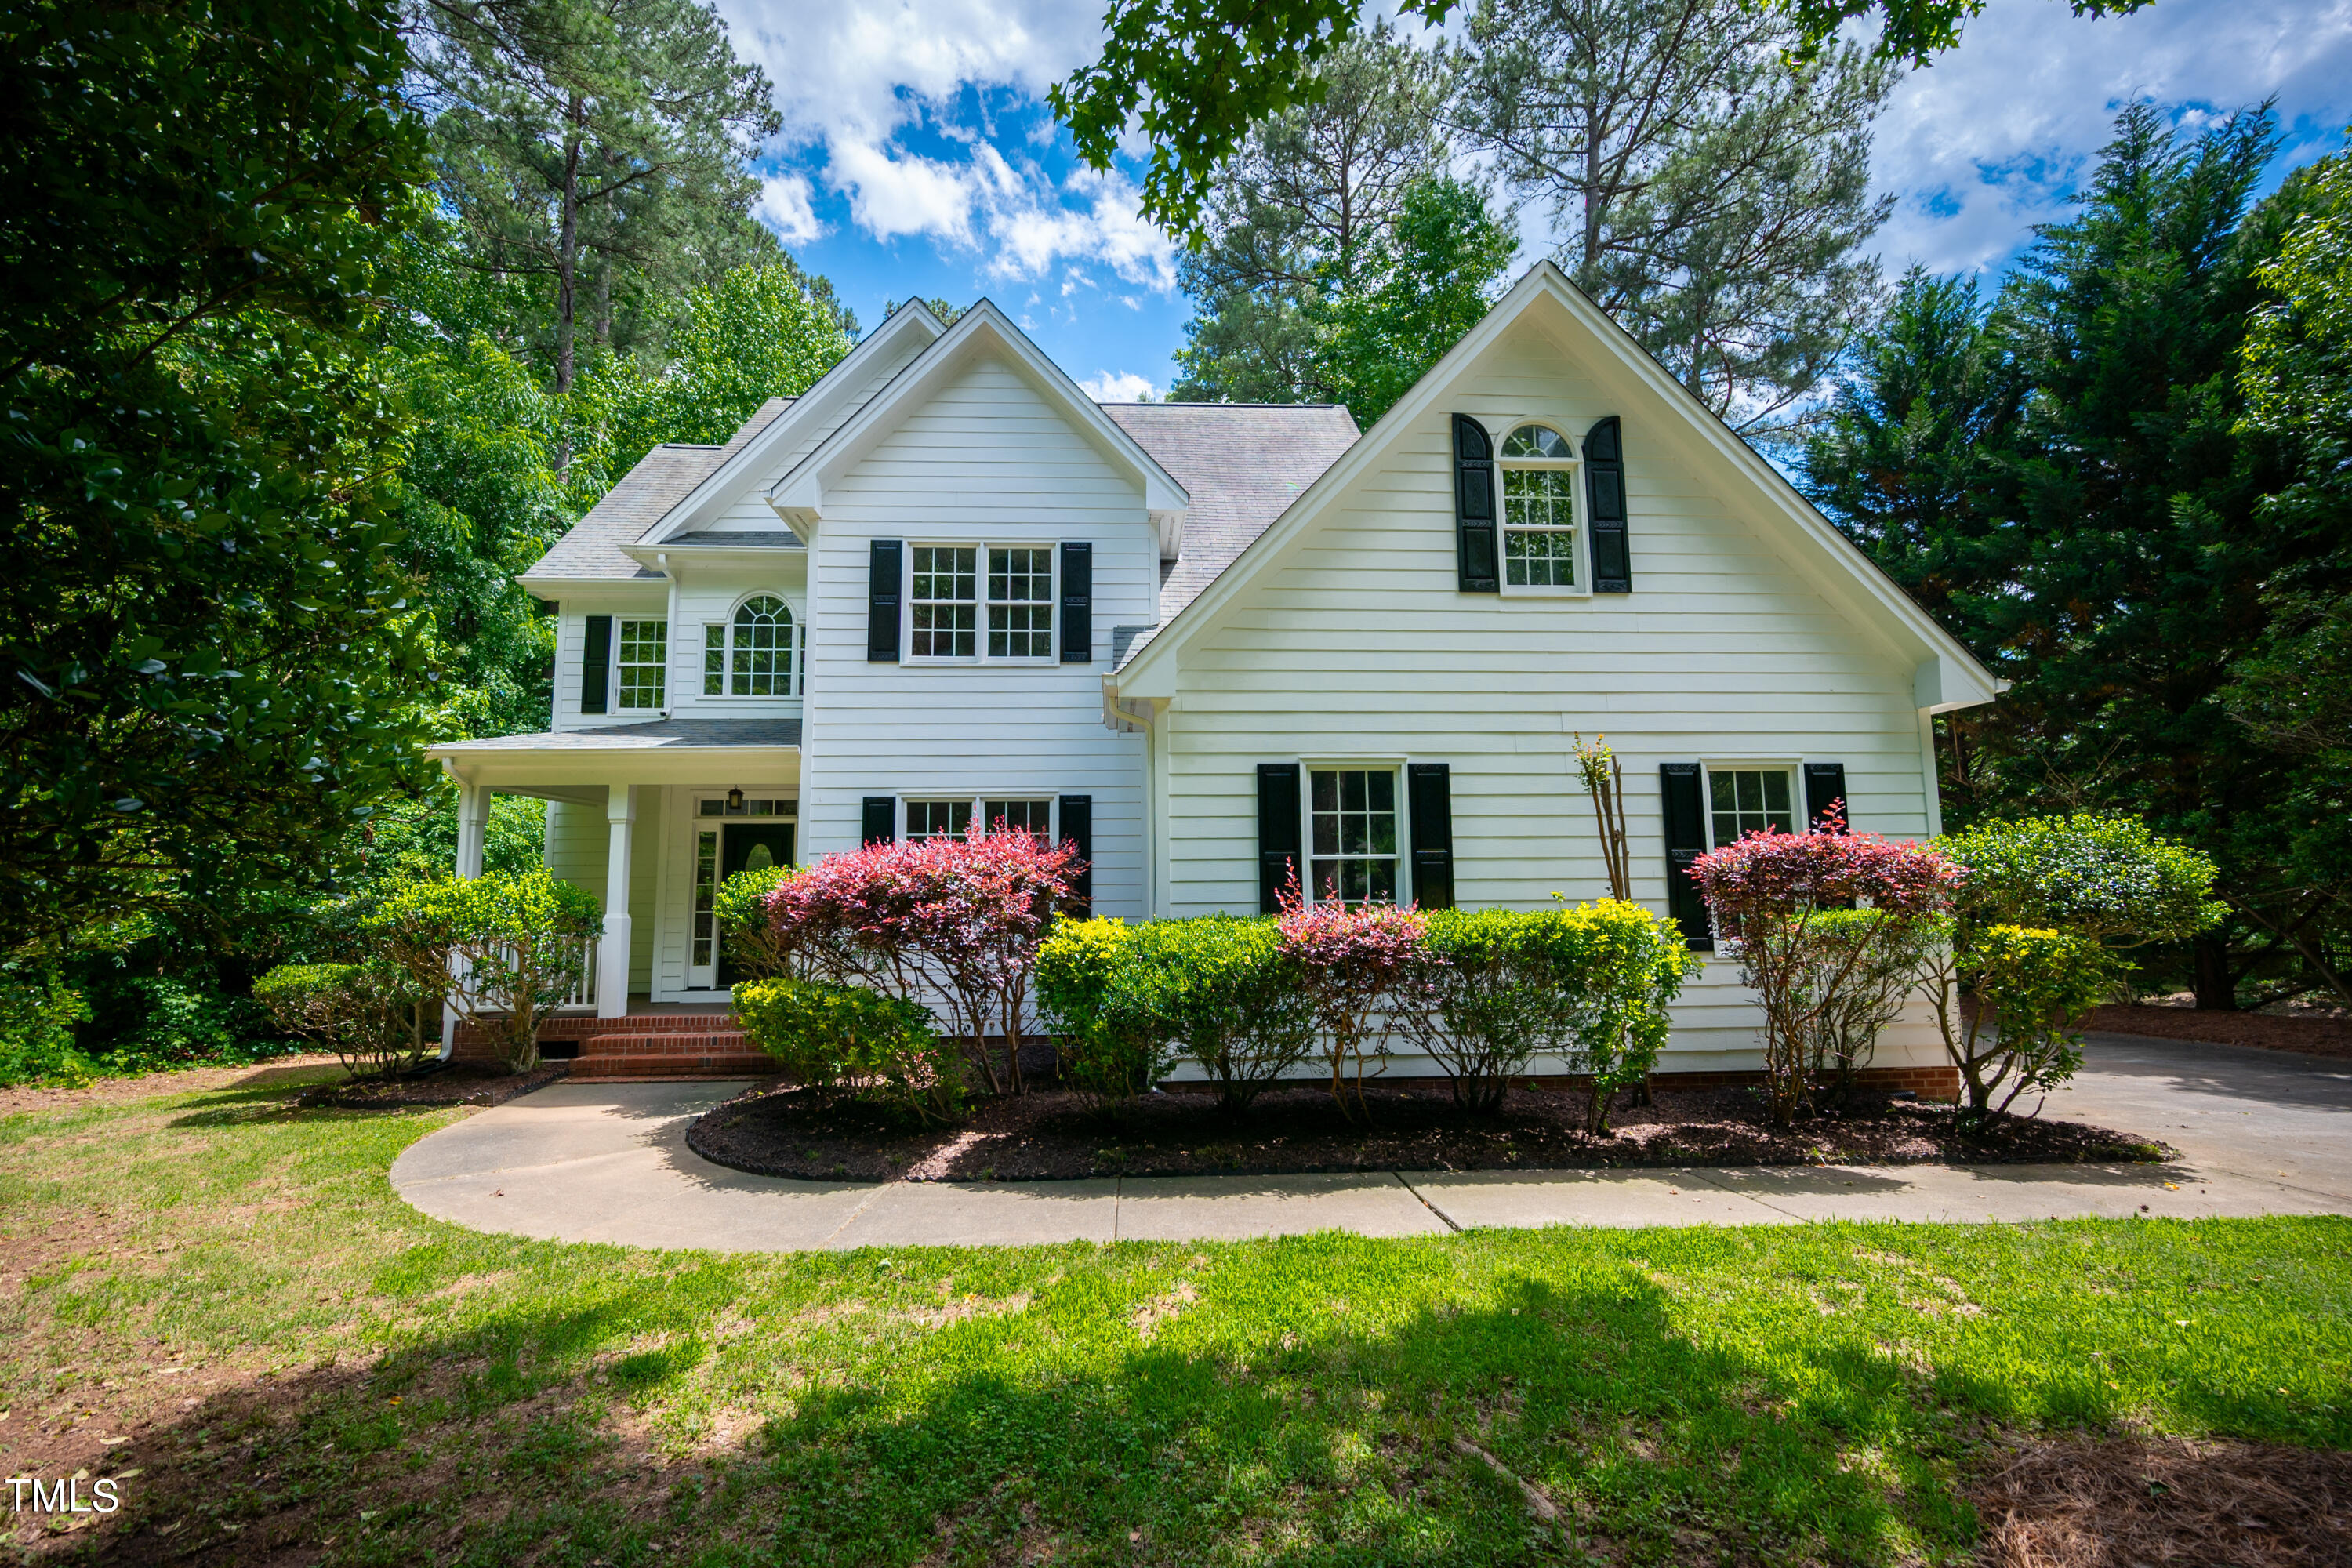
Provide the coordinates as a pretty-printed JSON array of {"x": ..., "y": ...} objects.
[{"x": 749, "y": 846}]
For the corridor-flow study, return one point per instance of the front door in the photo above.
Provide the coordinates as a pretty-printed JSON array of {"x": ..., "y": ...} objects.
[{"x": 751, "y": 846}]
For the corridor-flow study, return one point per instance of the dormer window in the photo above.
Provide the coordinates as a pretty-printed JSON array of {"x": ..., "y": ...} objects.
[
  {"x": 751, "y": 654},
  {"x": 1538, "y": 508}
]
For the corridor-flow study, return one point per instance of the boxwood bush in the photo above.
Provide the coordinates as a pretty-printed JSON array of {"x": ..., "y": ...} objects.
[{"x": 846, "y": 1039}]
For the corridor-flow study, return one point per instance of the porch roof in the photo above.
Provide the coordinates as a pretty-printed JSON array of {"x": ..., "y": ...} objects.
[{"x": 662, "y": 751}]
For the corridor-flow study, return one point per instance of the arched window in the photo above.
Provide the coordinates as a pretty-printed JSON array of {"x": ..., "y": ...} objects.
[
  {"x": 751, "y": 654},
  {"x": 1538, "y": 508}
]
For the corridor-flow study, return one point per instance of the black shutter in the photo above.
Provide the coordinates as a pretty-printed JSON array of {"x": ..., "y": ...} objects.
[
  {"x": 1825, "y": 787},
  {"x": 1604, "y": 489},
  {"x": 1429, "y": 795},
  {"x": 881, "y": 823},
  {"x": 1685, "y": 825},
  {"x": 1077, "y": 602},
  {"x": 1474, "y": 508},
  {"x": 1277, "y": 834},
  {"x": 882, "y": 579},
  {"x": 1078, "y": 829},
  {"x": 597, "y": 665}
]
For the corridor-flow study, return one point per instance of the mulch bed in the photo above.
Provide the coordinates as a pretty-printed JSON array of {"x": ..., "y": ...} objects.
[
  {"x": 2319, "y": 1034},
  {"x": 2085, "y": 1502},
  {"x": 1051, "y": 1134},
  {"x": 461, "y": 1083}
]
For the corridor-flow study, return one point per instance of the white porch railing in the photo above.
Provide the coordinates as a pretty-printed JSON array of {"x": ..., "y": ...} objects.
[{"x": 584, "y": 995}]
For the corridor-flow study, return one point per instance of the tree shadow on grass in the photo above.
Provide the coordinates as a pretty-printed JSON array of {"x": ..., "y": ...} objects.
[{"x": 1164, "y": 1410}]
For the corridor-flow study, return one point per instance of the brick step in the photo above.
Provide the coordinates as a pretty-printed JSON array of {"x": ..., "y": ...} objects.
[{"x": 700, "y": 1053}]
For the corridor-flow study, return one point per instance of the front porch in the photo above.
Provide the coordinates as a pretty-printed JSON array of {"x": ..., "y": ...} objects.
[
  {"x": 649, "y": 1040},
  {"x": 648, "y": 816}
]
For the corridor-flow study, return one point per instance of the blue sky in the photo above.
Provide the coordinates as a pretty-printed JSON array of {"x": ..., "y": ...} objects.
[{"x": 918, "y": 158}]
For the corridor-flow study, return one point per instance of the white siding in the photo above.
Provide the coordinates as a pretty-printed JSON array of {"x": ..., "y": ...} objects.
[
  {"x": 1356, "y": 643},
  {"x": 987, "y": 460}
]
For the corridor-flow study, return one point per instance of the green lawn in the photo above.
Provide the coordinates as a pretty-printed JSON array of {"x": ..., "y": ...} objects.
[{"x": 397, "y": 1390}]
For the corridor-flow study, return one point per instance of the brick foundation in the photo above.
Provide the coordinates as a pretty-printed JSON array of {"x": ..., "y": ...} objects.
[{"x": 644, "y": 1045}]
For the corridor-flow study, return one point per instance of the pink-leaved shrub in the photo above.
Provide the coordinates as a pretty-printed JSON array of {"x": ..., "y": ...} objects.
[
  {"x": 956, "y": 918},
  {"x": 1361, "y": 967},
  {"x": 1768, "y": 892}
]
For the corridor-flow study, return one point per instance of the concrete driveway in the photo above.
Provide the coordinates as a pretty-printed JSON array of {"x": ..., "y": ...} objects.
[{"x": 2258, "y": 1131}]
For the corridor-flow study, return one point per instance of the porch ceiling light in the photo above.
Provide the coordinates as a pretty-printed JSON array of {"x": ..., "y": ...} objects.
[{"x": 734, "y": 800}]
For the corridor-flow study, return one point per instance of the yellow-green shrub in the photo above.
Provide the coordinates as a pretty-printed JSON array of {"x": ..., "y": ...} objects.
[{"x": 833, "y": 1037}]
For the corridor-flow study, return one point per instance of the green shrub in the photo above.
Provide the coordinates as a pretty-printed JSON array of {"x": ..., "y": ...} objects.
[
  {"x": 832, "y": 1037},
  {"x": 37, "y": 1015},
  {"x": 1232, "y": 1000},
  {"x": 2032, "y": 986},
  {"x": 2106, "y": 878},
  {"x": 1863, "y": 966},
  {"x": 1589, "y": 984},
  {"x": 516, "y": 939},
  {"x": 739, "y": 906},
  {"x": 1100, "y": 995},
  {"x": 372, "y": 1016}
]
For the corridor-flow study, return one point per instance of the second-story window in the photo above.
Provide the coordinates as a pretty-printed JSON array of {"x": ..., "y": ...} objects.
[
  {"x": 751, "y": 654},
  {"x": 644, "y": 665},
  {"x": 944, "y": 601},
  {"x": 954, "y": 592},
  {"x": 1020, "y": 602}
]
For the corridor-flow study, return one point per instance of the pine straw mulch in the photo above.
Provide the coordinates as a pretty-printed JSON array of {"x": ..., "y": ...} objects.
[
  {"x": 2315, "y": 1033},
  {"x": 2168, "y": 1502},
  {"x": 1051, "y": 1134}
]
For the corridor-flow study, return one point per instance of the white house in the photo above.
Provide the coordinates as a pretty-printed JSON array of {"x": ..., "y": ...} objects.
[{"x": 1208, "y": 641}]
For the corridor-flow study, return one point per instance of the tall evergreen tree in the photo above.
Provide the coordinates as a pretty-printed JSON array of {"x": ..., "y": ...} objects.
[
  {"x": 1710, "y": 193},
  {"x": 1297, "y": 216},
  {"x": 2074, "y": 485},
  {"x": 594, "y": 146}
]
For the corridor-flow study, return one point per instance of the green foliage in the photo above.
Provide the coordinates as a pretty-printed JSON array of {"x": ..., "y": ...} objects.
[
  {"x": 1295, "y": 219},
  {"x": 2072, "y": 484},
  {"x": 1863, "y": 966},
  {"x": 2106, "y": 877},
  {"x": 755, "y": 334},
  {"x": 207, "y": 643},
  {"x": 1419, "y": 288},
  {"x": 1100, "y": 997},
  {"x": 829, "y": 1037},
  {"x": 2031, "y": 988},
  {"x": 518, "y": 940},
  {"x": 37, "y": 1015},
  {"x": 1230, "y": 999},
  {"x": 374, "y": 1015},
  {"x": 738, "y": 905}
]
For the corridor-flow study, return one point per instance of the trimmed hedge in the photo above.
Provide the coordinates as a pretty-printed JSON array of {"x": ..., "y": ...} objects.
[{"x": 835, "y": 1037}]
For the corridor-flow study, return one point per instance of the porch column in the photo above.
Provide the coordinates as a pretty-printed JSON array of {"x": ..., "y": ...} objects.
[
  {"x": 613, "y": 957},
  {"x": 473, "y": 827}
]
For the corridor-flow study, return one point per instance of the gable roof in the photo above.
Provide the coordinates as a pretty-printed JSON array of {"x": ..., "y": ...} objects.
[
  {"x": 981, "y": 328},
  {"x": 1947, "y": 677},
  {"x": 591, "y": 549},
  {"x": 1242, "y": 463}
]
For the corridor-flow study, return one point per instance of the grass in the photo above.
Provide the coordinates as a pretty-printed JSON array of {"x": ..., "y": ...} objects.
[{"x": 362, "y": 1385}]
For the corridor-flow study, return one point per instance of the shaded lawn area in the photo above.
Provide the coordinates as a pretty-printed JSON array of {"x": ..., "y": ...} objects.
[{"x": 308, "y": 1371}]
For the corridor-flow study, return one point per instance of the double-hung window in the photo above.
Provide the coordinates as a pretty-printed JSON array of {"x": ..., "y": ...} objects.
[
  {"x": 643, "y": 665},
  {"x": 956, "y": 590},
  {"x": 1538, "y": 508},
  {"x": 965, "y": 818},
  {"x": 1035, "y": 818},
  {"x": 750, "y": 654},
  {"x": 1352, "y": 834},
  {"x": 938, "y": 819}
]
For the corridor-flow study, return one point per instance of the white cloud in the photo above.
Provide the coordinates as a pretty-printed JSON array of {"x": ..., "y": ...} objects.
[
  {"x": 785, "y": 205},
  {"x": 1120, "y": 387},
  {"x": 1991, "y": 139}
]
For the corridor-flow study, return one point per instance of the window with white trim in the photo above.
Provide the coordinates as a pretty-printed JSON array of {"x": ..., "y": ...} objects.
[
  {"x": 980, "y": 602},
  {"x": 643, "y": 662},
  {"x": 1035, "y": 818},
  {"x": 1740, "y": 801},
  {"x": 750, "y": 654},
  {"x": 1538, "y": 508},
  {"x": 1351, "y": 834}
]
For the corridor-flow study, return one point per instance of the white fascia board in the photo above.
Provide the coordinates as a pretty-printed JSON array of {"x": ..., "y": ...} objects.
[
  {"x": 1851, "y": 579},
  {"x": 715, "y": 494},
  {"x": 801, "y": 494},
  {"x": 669, "y": 559},
  {"x": 591, "y": 587},
  {"x": 574, "y": 766}
]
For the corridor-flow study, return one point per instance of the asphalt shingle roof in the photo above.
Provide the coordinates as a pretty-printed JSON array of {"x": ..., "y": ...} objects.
[
  {"x": 1243, "y": 464},
  {"x": 659, "y": 735},
  {"x": 663, "y": 477}
]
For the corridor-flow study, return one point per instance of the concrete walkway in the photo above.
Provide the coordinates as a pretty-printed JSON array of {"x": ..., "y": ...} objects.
[{"x": 2258, "y": 1131}]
